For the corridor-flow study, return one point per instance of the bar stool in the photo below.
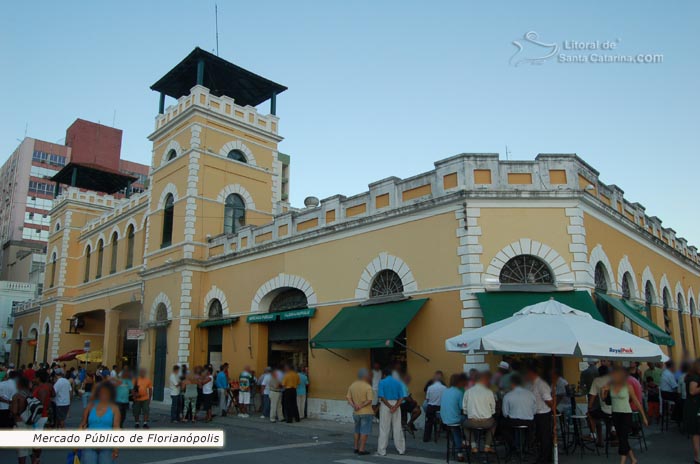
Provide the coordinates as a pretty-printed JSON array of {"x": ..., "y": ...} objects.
[
  {"x": 639, "y": 434},
  {"x": 480, "y": 433},
  {"x": 520, "y": 434},
  {"x": 452, "y": 447},
  {"x": 579, "y": 421},
  {"x": 666, "y": 411},
  {"x": 562, "y": 430}
]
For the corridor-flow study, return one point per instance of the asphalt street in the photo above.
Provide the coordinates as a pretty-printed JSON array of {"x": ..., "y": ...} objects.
[{"x": 254, "y": 440}]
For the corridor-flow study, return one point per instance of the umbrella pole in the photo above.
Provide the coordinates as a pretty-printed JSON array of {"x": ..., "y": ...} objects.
[{"x": 555, "y": 450}]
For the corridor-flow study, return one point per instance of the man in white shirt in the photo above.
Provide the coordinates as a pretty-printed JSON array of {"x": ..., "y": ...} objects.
[
  {"x": 264, "y": 385},
  {"x": 519, "y": 408},
  {"x": 64, "y": 391},
  {"x": 376, "y": 378},
  {"x": 433, "y": 396},
  {"x": 8, "y": 388},
  {"x": 174, "y": 383},
  {"x": 598, "y": 410},
  {"x": 479, "y": 405},
  {"x": 543, "y": 413}
]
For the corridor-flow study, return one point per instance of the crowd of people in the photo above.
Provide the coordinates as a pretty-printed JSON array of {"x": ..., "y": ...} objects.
[
  {"x": 516, "y": 396},
  {"x": 619, "y": 399}
]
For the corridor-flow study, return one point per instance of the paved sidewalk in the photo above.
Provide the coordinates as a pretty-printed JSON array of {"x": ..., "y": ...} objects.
[{"x": 664, "y": 447}]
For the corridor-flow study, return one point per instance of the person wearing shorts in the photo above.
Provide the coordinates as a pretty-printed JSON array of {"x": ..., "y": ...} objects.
[
  {"x": 207, "y": 382},
  {"x": 360, "y": 396},
  {"x": 244, "y": 381},
  {"x": 143, "y": 391}
]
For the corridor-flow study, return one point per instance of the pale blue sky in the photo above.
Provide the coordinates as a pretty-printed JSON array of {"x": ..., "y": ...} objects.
[{"x": 381, "y": 88}]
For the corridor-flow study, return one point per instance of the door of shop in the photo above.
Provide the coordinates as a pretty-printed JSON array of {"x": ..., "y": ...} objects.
[
  {"x": 288, "y": 342},
  {"x": 160, "y": 355}
]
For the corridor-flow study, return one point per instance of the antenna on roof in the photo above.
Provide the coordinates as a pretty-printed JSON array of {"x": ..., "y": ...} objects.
[
  {"x": 507, "y": 152},
  {"x": 216, "y": 21},
  {"x": 114, "y": 117}
]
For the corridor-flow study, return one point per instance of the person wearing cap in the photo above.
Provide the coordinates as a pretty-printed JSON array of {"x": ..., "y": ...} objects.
[
  {"x": 360, "y": 396},
  {"x": 502, "y": 378},
  {"x": 264, "y": 386}
]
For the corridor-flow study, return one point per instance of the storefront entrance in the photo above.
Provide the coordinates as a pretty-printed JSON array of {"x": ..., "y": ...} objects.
[
  {"x": 389, "y": 357},
  {"x": 215, "y": 336},
  {"x": 288, "y": 342}
]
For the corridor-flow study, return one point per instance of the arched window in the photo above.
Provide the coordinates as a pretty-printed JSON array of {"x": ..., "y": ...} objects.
[
  {"x": 526, "y": 270},
  {"x": 87, "y": 264},
  {"x": 234, "y": 213},
  {"x": 172, "y": 154},
  {"x": 215, "y": 309},
  {"x": 130, "y": 246},
  {"x": 100, "y": 258},
  {"x": 691, "y": 306},
  {"x": 385, "y": 283},
  {"x": 648, "y": 297},
  {"x": 626, "y": 286},
  {"x": 53, "y": 270},
  {"x": 290, "y": 298},
  {"x": 168, "y": 212},
  {"x": 161, "y": 313},
  {"x": 681, "y": 324},
  {"x": 600, "y": 278},
  {"x": 113, "y": 259},
  {"x": 237, "y": 155},
  {"x": 666, "y": 305}
]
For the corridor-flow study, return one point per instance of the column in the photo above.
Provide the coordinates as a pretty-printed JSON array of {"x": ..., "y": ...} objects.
[
  {"x": 689, "y": 334},
  {"x": 695, "y": 323},
  {"x": 111, "y": 336},
  {"x": 677, "y": 349},
  {"x": 657, "y": 317}
]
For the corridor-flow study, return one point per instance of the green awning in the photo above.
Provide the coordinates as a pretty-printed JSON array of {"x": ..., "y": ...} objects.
[
  {"x": 633, "y": 312},
  {"x": 217, "y": 322},
  {"x": 373, "y": 326},
  {"x": 497, "y": 306},
  {"x": 281, "y": 315}
]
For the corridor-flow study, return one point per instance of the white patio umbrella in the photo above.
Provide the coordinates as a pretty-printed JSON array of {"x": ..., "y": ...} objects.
[{"x": 552, "y": 328}]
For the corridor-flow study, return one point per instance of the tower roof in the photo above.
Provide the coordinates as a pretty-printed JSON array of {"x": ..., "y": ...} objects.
[{"x": 221, "y": 77}]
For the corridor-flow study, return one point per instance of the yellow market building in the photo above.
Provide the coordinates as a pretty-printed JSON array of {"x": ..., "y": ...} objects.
[{"x": 214, "y": 265}]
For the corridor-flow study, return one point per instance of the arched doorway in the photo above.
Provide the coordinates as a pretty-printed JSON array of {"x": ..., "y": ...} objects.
[
  {"x": 161, "y": 352},
  {"x": 288, "y": 339},
  {"x": 215, "y": 335}
]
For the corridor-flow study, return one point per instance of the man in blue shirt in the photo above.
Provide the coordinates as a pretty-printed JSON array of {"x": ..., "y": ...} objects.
[
  {"x": 222, "y": 386},
  {"x": 451, "y": 408},
  {"x": 391, "y": 395},
  {"x": 301, "y": 392}
]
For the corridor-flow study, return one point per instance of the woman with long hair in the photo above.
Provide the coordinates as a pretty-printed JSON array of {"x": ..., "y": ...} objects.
[
  {"x": 691, "y": 408},
  {"x": 620, "y": 395},
  {"x": 101, "y": 414}
]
